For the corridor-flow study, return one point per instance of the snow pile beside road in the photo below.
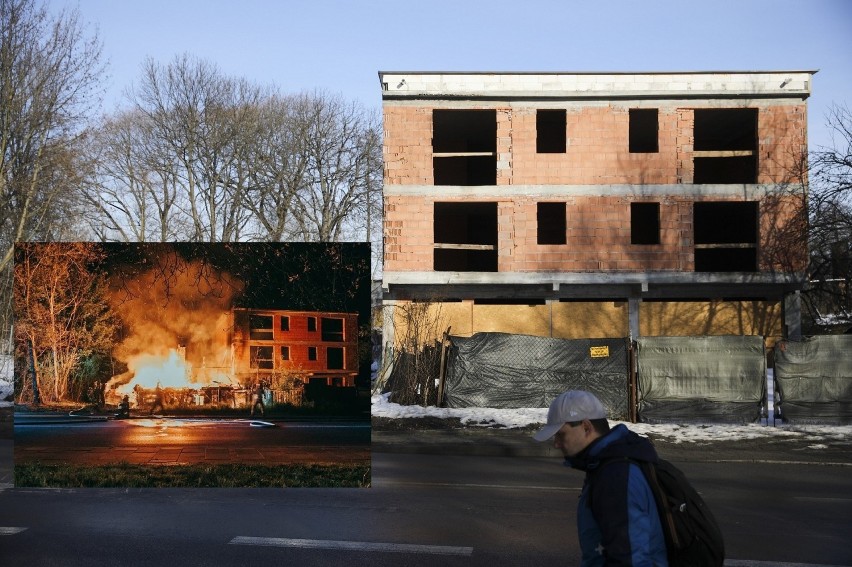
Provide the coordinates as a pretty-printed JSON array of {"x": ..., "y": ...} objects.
[
  {"x": 676, "y": 433},
  {"x": 7, "y": 377}
]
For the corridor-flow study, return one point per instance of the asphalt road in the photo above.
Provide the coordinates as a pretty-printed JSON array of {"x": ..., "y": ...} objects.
[
  {"x": 423, "y": 510},
  {"x": 450, "y": 498}
]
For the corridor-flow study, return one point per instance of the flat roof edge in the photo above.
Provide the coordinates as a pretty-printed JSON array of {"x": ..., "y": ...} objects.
[{"x": 719, "y": 72}]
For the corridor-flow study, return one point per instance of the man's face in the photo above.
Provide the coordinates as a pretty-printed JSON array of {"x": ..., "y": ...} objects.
[{"x": 572, "y": 439}]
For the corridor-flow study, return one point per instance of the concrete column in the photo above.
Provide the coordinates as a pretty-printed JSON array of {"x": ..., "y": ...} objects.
[
  {"x": 792, "y": 312},
  {"x": 633, "y": 304}
]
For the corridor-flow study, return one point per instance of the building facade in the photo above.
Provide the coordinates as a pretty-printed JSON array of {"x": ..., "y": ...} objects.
[
  {"x": 596, "y": 205},
  {"x": 308, "y": 345}
]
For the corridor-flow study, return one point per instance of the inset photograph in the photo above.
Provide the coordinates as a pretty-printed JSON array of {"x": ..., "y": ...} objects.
[{"x": 192, "y": 365}]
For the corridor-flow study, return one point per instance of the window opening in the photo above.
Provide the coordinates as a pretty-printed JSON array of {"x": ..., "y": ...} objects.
[
  {"x": 644, "y": 130},
  {"x": 335, "y": 358},
  {"x": 726, "y": 236},
  {"x": 725, "y": 145},
  {"x": 285, "y": 323},
  {"x": 312, "y": 353},
  {"x": 260, "y": 327},
  {"x": 261, "y": 357},
  {"x": 550, "y": 131},
  {"x": 465, "y": 236},
  {"x": 644, "y": 223},
  {"x": 285, "y": 353},
  {"x": 552, "y": 227},
  {"x": 464, "y": 147},
  {"x": 312, "y": 324},
  {"x": 332, "y": 329}
]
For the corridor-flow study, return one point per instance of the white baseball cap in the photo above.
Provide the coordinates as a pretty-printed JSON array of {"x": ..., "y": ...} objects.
[{"x": 573, "y": 405}]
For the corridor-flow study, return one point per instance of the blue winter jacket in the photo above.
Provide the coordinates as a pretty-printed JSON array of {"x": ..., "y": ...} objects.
[{"x": 617, "y": 517}]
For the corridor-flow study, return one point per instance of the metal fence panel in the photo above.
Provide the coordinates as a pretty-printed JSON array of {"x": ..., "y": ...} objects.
[
  {"x": 502, "y": 370},
  {"x": 814, "y": 379},
  {"x": 710, "y": 378}
]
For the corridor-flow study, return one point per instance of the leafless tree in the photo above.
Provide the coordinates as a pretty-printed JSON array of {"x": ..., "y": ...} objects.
[
  {"x": 50, "y": 73},
  {"x": 830, "y": 230},
  {"x": 201, "y": 118},
  {"x": 279, "y": 169},
  {"x": 341, "y": 146},
  {"x": 132, "y": 193}
]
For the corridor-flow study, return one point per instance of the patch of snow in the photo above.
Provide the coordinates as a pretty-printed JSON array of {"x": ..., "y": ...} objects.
[{"x": 677, "y": 433}]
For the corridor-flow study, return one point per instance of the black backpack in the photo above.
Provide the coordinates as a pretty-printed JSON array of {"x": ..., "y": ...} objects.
[{"x": 693, "y": 538}]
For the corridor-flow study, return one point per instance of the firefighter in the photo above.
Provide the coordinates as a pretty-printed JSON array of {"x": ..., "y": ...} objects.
[{"x": 257, "y": 397}]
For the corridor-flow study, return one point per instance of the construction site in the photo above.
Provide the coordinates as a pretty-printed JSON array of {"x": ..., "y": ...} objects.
[{"x": 606, "y": 214}]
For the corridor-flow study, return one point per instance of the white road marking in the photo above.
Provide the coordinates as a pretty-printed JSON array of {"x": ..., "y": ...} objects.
[
  {"x": 822, "y": 499},
  {"x": 10, "y": 531},
  {"x": 352, "y": 545},
  {"x": 748, "y": 563},
  {"x": 383, "y": 482}
]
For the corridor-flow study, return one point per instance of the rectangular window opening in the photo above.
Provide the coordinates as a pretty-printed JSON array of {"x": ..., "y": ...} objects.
[
  {"x": 285, "y": 323},
  {"x": 551, "y": 223},
  {"x": 726, "y": 234},
  {"x": 464, "y": 147},
  {"x": 644, "y": 223},
  {"x": 312, "y": 353},
  {"x": 261, "y": 357},
  {"x": 332, "y": 329},
  {"x": 312, "y": 324},
  {"x": 725, "y": 145},
  {"x": 550, "y": 131},
  {"x": 260, "y": 327},
  {"x": 335, "y": 358},
  {"x": 465, "y": 236},
  {"x": 285, "y": 353},
  {"x": 644, "y": 130}
]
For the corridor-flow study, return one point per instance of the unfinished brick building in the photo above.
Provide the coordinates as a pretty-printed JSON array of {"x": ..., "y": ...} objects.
[
  {"x": 314, "y": 345},
  {"x": 596, "y": 205}
]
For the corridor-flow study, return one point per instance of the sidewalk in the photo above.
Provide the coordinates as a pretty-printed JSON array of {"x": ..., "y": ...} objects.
[{"x": 518, "y": 443}]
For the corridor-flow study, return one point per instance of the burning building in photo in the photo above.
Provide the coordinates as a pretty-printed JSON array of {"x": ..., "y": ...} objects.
[{"x": 205, "y": 337}]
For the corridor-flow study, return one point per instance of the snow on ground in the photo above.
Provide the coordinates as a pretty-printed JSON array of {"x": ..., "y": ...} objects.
[
  {"x": 677, "y": 433},
  {"x": 6, "y": 379}
]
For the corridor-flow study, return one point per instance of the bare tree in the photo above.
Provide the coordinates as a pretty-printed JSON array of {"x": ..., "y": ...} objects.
[
  {"x": 49, "y": 78},
  {"x": 201, "y": 117},
  {"x": 832, "y": 166},
  {"x": 278, "y": 169},
  {"x": 132, "y": 192},
  {"x": 830, "y": 218},
  {"x": 341, "y": 145},
  {"x": 61, "y": 314}
]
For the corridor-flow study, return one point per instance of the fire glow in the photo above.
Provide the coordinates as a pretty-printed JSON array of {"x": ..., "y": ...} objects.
[{"x": 177, "y": 329}]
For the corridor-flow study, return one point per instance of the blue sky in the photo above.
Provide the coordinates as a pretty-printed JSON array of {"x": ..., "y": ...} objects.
[{"x": 340, "y": 46}]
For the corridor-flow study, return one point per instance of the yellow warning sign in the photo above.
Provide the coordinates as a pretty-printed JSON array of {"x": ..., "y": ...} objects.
[{"x": 599, "y": 351}]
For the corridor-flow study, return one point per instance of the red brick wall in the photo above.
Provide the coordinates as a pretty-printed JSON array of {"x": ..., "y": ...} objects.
[
  {"x": 597, "y": 154},
  {"x": 298, "y": 338},
  {"x": 597, "y": 151},
  {"x": 598, "y": 234}
]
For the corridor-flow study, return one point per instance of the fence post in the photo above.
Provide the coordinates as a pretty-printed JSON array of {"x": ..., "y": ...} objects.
[
  {"x": 631, "y": 382},
  {"x": 442, "y": 368}
]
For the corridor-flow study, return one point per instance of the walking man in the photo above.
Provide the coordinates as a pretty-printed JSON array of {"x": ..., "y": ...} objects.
[
  {"x": 257, "y": 397},
  {"x": 617, "y": 518},
  {"x": 158, "y": 399}
]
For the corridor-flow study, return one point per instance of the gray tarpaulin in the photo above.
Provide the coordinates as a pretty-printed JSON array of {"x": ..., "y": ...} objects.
[
  {"x": 502, "y": 370},
  {"x": 814, "y": 379},
  {"x": 713, "y": 378}
]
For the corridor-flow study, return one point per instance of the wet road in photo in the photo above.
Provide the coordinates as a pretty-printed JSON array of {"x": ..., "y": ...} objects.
[{"x": 172, "y": 440}]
